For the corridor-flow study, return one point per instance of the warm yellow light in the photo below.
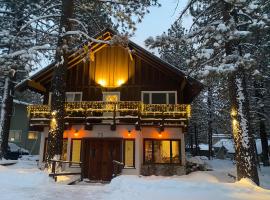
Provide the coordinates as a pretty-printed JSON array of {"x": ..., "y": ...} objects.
[
  {"x": 234, "y": 122},
  {"x": 233, "y": 113},
  {"x": 53, "y": 120},
  {"x": 120, "y": 82},
  {"x": 188, "y": 111},
  {"x": 53, "y": 113},
  {"x": 160, "y": 135},
  {"x": 102, "y": 82}
]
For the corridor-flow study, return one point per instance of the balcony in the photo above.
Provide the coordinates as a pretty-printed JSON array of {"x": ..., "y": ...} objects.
[{"x": 122, "y": 112}]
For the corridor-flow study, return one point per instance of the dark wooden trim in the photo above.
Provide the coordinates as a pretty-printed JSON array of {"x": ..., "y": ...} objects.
[
  {"x": 124, "y": 152},
  {"x": 153, "y": 158}
]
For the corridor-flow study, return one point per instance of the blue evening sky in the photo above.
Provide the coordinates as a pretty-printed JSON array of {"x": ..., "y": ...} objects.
[{"x": 159, "y": 20}]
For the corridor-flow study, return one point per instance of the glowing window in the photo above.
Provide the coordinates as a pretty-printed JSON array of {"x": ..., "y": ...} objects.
[
  {"x": 129, "y": 147},
  {"x": 32, "y": 135},
  {"x": 161, "y": 151}
]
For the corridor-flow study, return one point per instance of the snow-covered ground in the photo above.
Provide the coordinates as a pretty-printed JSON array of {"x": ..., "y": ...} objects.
[{"x": 23, "y": 181}]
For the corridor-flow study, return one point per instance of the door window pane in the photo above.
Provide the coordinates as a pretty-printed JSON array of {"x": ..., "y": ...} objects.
[
  {"x": 175, "y": 152},
  {"x": 162, "y": 151},
  {"x": 129, "y": 153},
  {"x": 159, "y": 98},
  {"x": 148, "y": 151},
  {"x": 76, "y": 151}
]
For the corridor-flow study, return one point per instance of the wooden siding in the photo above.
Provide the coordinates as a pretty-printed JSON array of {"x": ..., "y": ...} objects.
[{"x": 114, "y": 62}]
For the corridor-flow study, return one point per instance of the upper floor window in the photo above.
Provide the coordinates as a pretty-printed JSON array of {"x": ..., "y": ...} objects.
[
  {"x": 73, "y": 96},
  {"x": 159, "y": 97},
  {"x": 70, "y": 97}
]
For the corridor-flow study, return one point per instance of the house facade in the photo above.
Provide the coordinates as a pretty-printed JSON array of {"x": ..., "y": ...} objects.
[
  {"x": 122, "y": 104},
  {"x": 19, "y": 133}
]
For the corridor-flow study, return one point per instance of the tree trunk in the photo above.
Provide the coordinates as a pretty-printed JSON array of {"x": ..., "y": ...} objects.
[
  {"x": 243, "y": 138},
  {"x": 58, "y": 87},
  {"x": 263, "y": 135},
  {"x": 210, "y": 120},
  {"x": 196, "y": 140},
  {"x": 6, "y": 111},
  {"x": 264, "y": 142}
]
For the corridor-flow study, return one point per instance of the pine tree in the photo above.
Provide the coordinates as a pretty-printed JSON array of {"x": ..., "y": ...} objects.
[{"x": 15, "y": 60}]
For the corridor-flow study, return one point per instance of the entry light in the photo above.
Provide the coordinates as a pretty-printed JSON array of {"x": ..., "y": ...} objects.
[{"x": 129, "y": 133}]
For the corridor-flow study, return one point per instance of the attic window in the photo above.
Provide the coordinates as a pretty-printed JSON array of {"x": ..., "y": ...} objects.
[{"x": 159, "y": 97}]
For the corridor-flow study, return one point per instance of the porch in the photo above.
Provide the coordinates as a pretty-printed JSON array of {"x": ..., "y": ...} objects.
[{"x": 147, "y": 151}]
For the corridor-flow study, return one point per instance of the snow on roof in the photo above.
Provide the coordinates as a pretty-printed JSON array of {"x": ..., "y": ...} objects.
[
  {"x": 20, "y": 102},
  {"x": 204, "y": 146},
  {"x": 229, "y": 145}
]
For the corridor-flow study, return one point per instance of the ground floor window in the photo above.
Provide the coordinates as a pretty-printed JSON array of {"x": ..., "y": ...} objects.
[
  {"x": 76, "y": 150},
  {"x": 162, "y": 151},
  {"x": 129, "y": 153},
  {"x": 64, "y": 149},
  {"x": 15, "y": 135},
  {"x": 32, "y": 135}
]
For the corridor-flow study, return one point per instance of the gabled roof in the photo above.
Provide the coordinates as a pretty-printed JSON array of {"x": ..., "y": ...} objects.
[{"x": 36, "y": 81}]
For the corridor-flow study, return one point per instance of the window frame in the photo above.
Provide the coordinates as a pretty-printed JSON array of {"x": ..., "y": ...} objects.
[
  {"x": 71, "y": 148},
  {"x": 124, "y": 153},
  {"x": 81, "y": 95},
  {"x": 152, "y": 156},
  {"x": 161, "y": 92}
]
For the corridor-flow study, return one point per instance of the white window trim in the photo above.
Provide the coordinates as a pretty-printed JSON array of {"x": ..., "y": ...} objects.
[
  {"x": 110, "y": 93},
  {"x": 50, "y": 96},
  {"x": 151, "y": 92}
]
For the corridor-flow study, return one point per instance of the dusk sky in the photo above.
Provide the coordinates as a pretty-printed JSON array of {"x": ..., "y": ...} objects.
[{"x": 160, "y": 19}]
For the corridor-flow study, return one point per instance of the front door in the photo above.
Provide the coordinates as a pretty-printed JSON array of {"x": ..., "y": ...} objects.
[{"x": 98, "y": 157}]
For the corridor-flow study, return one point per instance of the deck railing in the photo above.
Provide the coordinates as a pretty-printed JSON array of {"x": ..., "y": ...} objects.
[{"x": 122, "y": 108}]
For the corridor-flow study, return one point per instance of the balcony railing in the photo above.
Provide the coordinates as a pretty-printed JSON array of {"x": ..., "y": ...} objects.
[{"x": 115, "y": 110}]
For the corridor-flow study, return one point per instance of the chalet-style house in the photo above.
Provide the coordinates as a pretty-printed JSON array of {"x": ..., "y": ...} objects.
[{"x": 124, "y": 104}]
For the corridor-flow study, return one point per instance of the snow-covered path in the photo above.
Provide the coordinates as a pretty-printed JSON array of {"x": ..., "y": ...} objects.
[{"x": 24, "y": 181}]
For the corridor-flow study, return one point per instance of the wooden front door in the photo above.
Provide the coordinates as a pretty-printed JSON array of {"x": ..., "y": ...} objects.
[{"x": 98, "y": 155}]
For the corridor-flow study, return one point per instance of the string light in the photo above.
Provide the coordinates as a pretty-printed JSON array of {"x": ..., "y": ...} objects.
[{"x": 135, "y": 107}]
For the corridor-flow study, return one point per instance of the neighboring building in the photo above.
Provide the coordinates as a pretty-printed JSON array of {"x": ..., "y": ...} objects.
[
  {"x": 19, "y": 134},
  {"x": 125, "y": 104},
  {"x": 227, "y": 147}
]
